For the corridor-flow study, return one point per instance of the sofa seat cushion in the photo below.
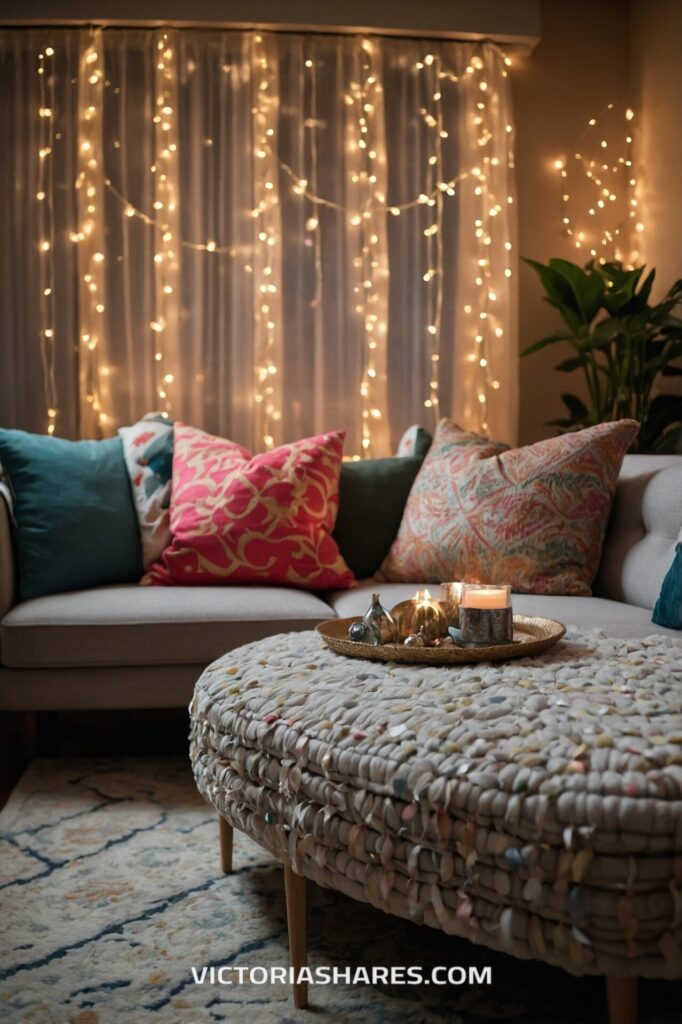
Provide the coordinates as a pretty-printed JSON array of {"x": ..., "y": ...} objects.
[
  {"x": 134, "y": 625},
  {"x": 612, "y": 617}
]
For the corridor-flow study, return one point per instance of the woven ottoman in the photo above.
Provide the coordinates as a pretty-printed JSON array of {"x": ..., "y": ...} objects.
[{"x": 534, "y": 807}]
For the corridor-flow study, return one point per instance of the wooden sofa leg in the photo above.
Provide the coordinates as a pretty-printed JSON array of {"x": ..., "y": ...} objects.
[
  {"x": 621, "y": 995},
  {"x": 226, "y": 838},
  {"x": 295, "y": 892}
]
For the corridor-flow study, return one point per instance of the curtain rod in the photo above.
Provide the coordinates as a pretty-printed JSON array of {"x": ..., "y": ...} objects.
[{"x": 517, "y": 44}]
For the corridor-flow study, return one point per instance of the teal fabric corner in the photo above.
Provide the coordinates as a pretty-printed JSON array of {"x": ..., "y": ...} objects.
[
  {"x": 75, "y": 524},
  {"x": 668, "y": 610},
  {"x": 372, "y": 497},
  {"x": 422, "y": 443}
]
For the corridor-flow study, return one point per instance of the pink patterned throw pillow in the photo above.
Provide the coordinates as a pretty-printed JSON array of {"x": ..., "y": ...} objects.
[
  {"x": 261, "y": 519},
  {"x": 532, "y": 517}
]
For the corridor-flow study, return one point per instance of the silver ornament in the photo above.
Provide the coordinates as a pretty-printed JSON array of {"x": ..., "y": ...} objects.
[
  {"x": 357, "y": 632},
  {"x": 382, "y": 621},
  {"x": 413, "y": 641}
]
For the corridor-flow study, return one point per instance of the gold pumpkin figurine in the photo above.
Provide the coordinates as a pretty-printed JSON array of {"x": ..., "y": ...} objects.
[{"x": 422, "y": 613}]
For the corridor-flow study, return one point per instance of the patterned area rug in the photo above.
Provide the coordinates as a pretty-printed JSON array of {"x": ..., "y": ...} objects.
[{"x": 110, "y": 893}]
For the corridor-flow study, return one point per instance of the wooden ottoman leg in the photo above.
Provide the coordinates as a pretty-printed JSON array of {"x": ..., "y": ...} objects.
[
  {"x": 295, "y": 892},
  {"x": 226, "y": 836},
  {"x": 621, "y": 995}
]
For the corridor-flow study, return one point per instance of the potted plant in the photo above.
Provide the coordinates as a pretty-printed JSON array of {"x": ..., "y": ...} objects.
[{"x": 621, "y": 344}]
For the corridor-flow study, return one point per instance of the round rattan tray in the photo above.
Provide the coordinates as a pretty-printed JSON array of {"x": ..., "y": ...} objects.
[{"x": 531, "y": 636}]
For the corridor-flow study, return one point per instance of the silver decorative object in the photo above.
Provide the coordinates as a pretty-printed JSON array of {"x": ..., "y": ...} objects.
[
  {"x": 364, "y": 633},
  {"x": 382, "y": 621},
  {"x": 412, "y": 640},
  {"x": 444, "y": 641}
]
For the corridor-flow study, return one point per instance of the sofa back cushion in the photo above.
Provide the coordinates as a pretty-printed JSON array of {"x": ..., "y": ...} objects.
[
  {"x": 75, "y": 525},
  {"x": 531, "y": 517},
  {"x": 645, "y": 526},
  {"x": 262, "y": 519},
  {"x": 372, "y": 496}
]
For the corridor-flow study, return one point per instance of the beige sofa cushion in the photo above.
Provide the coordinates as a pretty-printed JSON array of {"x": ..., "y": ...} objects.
[
  {"x": 645, "y": 525},
  {"x": 132, "y": 625},
  {"x": 614, "y": 618}
]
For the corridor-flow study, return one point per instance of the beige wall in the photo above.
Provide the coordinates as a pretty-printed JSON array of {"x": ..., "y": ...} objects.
[
  {"x": 656, "y": 69},
  {"x": 593, "y": 52},
  {"x": 580, "y": 65}
]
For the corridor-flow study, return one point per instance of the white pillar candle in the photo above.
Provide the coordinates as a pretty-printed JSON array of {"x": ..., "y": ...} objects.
[{"x": 485, "y": 597}]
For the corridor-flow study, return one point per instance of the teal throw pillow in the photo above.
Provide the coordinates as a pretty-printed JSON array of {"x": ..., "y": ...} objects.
[
  {"x": 415, "y": 441},
  {"x": 75, "y": 524},
  {"x": 668, "y": 610},
  {"x": 372, "y": 497}
]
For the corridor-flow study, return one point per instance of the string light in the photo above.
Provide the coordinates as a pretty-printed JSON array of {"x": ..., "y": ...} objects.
[
  {"x": 46, "y": 309},
  {"x": 434, "y": 233},
  {"x": 367, "y": 210},
  {"x": 90, "y": 237},
  {"x": 367, "y": 184},
  {"x": 606, "y": 167},
  {"x": 267, "y": 246},
  {"x": 312, "y": 225},
  {"x": 165, "y": 326}
]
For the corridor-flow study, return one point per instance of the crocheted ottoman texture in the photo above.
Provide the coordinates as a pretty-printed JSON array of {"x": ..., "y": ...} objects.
[{"x": 534, "y": 807}]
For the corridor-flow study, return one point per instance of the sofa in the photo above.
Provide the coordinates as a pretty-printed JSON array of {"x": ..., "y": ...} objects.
[{"x": 129, "y": 646}]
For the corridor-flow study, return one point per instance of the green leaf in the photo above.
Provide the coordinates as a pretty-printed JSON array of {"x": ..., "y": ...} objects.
[
  {"x": 669, "y": 443},
  {"x": 568, "y": 365},
  {"x": 562, "y": 424},
  {"x": 645, "y": 290},
  {"x": 665, "y": 412},
  {"x": 620, "y": 299},
  {"x": 595, "y": 343},
  {"x": 557, "y": 288},
  {"x": 587, "y": 288},
  {"x": 551, "y": 339},
  {"x": 575, "y": 406}
]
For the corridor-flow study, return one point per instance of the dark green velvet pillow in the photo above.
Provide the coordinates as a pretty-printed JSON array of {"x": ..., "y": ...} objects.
[
  {"x": 668, "y": 610},
  {"x": 75, "y": 524},
  {"x": 372, "y": 497}
]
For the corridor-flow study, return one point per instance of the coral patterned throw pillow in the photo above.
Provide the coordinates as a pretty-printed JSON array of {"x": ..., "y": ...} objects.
[
  {"x": 261, "y": 519},
  {"x": 531, "y": 517}
]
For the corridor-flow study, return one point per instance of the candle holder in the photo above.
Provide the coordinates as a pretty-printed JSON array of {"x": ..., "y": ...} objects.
[
  {"x": 450, "y": 599},
  {"x": 485, "y": 614}
]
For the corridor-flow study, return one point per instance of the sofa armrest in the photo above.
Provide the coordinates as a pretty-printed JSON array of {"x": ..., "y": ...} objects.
[
  {"x": 645, "y": 526},
  {"x": 7, "y": 571}
]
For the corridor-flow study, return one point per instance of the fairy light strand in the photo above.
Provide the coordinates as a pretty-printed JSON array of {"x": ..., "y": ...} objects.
[
  {"x": 433, "y": 118},
  {"x": 44, "y": 197},
  {"x": 165, "y": 326},
  {"x": 263, "y": 259},
  {"x": 607, "y": 170},
  {"x": 267, "y": 243},
  {"x": 313, "y": 229},
  {"x": 94, "y": 373},
  {"x": 366, "y": 147}
]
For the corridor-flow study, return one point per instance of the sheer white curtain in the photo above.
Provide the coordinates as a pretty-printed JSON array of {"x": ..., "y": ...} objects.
[{"x": 264, "y": 234}]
